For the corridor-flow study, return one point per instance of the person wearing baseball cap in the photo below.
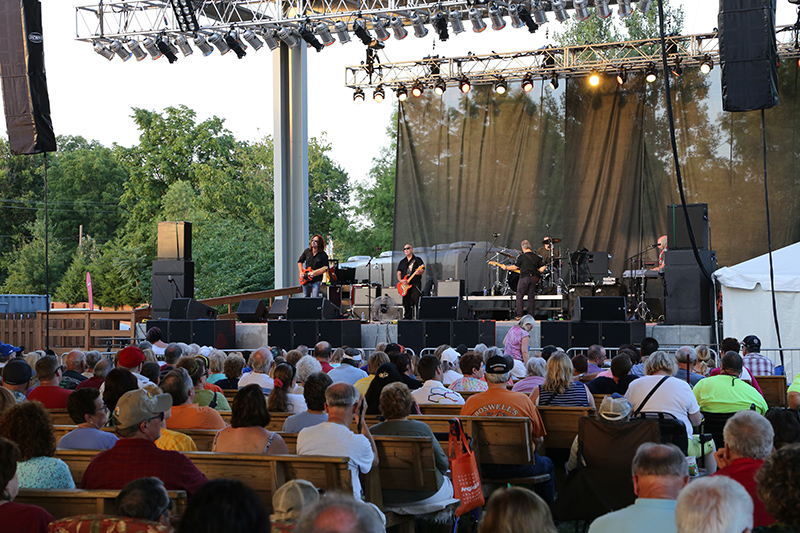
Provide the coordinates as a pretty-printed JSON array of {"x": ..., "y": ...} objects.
[
  {"x": 17, "y": 376},
  {"x": 132, "y": 358},
  {"x": 757, "y": 364},
  {"x": 499, "y": 401},
  {"x": 138, "y": 420},
  {"x": 7, "y": 351}
]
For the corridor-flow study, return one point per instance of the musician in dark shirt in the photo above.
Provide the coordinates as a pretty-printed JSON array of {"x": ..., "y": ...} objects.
[
  {"x": 411, "y": 265},
  {"x": 530, "y": 266},
  {"x": 315, "y": 258}
]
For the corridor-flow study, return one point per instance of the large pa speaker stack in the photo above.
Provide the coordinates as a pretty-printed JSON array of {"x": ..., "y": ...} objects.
[
  {"x": 288, "y": 334},
  {"x": 690, "y": 295},
  {"x": 173, "y": 272},
  {"x": 678, "y": 231},
  {"x": 566, "y": 334}
]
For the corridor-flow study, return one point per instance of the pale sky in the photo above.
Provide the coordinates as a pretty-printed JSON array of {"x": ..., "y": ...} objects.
[{"x": 92, "y": 97}]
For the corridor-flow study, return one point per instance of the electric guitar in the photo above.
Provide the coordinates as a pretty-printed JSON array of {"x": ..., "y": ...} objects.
[
  {"x": 405, "y": 283},
  {"x": 304, "y": 276},
  {"x": 513, "y": 268}
]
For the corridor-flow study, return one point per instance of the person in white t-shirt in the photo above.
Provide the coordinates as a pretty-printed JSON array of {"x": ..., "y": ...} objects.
[
  {"x": 334, "y": 437},
  {"x": 260, "y": 361},
  {"x": 432, "y": 391}
]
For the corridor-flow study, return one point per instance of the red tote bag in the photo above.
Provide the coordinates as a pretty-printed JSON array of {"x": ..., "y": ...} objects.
[{"x": 466, "y": 478}]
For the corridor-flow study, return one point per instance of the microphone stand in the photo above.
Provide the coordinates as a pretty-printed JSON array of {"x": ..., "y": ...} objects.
[
  {"x": 369, "y": 288},
  {"x": 178, "y": 293},
  {"x": 466, "y": 275}
]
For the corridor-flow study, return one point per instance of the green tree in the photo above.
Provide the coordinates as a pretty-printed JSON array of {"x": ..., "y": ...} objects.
[
  {"x": 27, "y": 273},
  {"x": 72, "y": 288},
  {"x": 122, "y": 274},
  {"x": 328, "y": 188},
  {"x": 608, "y": 30}
]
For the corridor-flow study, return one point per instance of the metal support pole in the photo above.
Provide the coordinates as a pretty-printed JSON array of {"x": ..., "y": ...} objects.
[{"x": 291, "y": 162}]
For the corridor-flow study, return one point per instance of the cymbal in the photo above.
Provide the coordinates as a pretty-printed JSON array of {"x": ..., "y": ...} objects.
[
  {"x": 553, "y": 241},
  {"x": 507, "y": 254}
]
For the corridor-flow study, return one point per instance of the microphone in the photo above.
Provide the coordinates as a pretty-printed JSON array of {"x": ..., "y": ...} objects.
[
  {"x": 495, "y": 235},
  {"x": 169, "y": 278},
  {"x": 473, "y": 243}
]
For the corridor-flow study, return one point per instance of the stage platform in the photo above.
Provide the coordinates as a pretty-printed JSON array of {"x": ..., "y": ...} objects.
[{"x": 251, "y": 336}]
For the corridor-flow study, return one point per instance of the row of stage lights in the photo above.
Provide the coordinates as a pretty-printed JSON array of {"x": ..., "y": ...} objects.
[
  {"x": 319, "y": 35},
  {"x": 501, "y": 86}
]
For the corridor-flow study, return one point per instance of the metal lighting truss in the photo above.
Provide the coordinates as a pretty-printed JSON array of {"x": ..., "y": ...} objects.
[{"x": 544, "y": 63}]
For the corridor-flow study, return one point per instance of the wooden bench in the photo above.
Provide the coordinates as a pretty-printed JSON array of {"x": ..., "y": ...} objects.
[
  {"x": 60, "y": 417},
  {"x": 447, "y": 410},
  {"x": 561, "y": 424},
  {"x": 774, "y": 388},
  {"x": 203, "y": 438},
  {"x": 598, "y": 399},
  {"x": 63, "y": 502}
]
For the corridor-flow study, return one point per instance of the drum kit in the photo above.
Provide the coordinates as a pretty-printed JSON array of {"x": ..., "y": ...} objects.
[{"x": 505, "y": 281}]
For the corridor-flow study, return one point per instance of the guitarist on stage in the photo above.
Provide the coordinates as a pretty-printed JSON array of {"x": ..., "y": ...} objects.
[
  {"x": 316, "y": 261},
  {"x": 530, "y": 266},
  {"x": 410, "y": 266}
]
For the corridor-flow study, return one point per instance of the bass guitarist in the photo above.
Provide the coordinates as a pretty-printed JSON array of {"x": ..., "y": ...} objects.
[
  {"x": 316, "y": 262},
  {"x": 410, "y": 266}
]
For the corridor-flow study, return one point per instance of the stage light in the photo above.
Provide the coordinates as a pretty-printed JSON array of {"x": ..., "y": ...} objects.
[
  {"x": 464, "y": 85},
  {"x": 379, "y": 25},
  {"x": 358, "y": 96},
  {"x": 527, "y": 83},
  {"x": 235, "y": 44},
  {"x": 252, "y": 39},
  {"x": 440, "y": 24},
  {"x": 677, "y": 69},
  {"x": 123, "y": 52},
  {"x": 644, "y": 6},
  {"x": 520, "y": 15},
  {"x": 183, "y": 44},
  {"x": 706, "y": 64},
  {"x": 440, "y": 87},
  {"x": 288, "y": 37},
  {"x": 150, "y": 45},
  {"x": 455, "y": 21},
  {"x": 324, "y": 33},
  {"x": 270, "y": 39},
  {"x": 402, "y": 93},
  {"x": 400, "y": 32},
  {"x": 138, "y": 53},
  {"x": 622, "y": 76},
  {"x": 516, "y": 22},
  {"x": 500, "y": 86},
  {"x": 163, "y": 46},
  {"x": 478, "y": 25},
  {"x": 581, "y": 9},
  {"x": 498, "y": 23},
  {"x": 103, "y": 51},
  {"x": 650, "y": 74},
  {"x": 360, "y": 29},
  {"x": 625, "y": 9},
  {"x": 420, "y": 30},
  {"x": 602, "y": 9},
  {"x": 309, "y": 37},
  {"x": 560, "y": 10},
  {"x": 379, "y": 94},
  {"x": 594, "y": 79},
  {"x": 539, "y": 14},
  {"x": 341, "y": 31},
  {"x": 184, "y": 14},
  {"x": 201, "y": 43},
  {"x": 553, "y": 83},
  {"x": 217, "y": 40},
  {"x": 417, "y": 90}
]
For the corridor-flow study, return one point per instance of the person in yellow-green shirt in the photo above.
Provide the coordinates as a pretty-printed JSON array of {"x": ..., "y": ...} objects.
[
  {"x": 794, "y": 393},
  {"x": 726, "y": 393}
]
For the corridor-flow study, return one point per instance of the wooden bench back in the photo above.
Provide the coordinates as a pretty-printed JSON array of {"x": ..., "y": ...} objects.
[
  {"x": 774, "y": 388},
  {"x": 203, "y": 438},
  {"x": 60, "y": 417},
  {"x": 561, "y": 424},
  {"x": 447, "y": 410},
  {"x": 406, "y": 463},
  {"x": 598, "y": 399},
  {"x": 63, "y": 503}
]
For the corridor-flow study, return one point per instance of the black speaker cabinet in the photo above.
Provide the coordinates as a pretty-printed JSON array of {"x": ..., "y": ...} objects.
[
  {"x": 161, "y": 324},
  {"x": 171, "y": 279},
  {"x": 308, "y": 308},
  {"x": 305, "y": 332},
  {"x": 220, "y": 334},
  {"x": 615, "y": 334},
  {"x": 748, "y": 54},
  {"x": 690, "y": 295},
  {"x": 584, "y": 334},
  {"x": 472, "y": 332},
  {"x": 439, "y": 308},
  {"x": 411, "y": 333},
  {"x": 180, "y": 331},
  {"x": 175, "y": 241},
  {"x": 340, "y": 332},
  {"x": 279, "y": 333},
  {"x": 597, "y": 263},
  {"x": 678, "y": 232},
  {"x": 555, "y": 333},
  {"x": 251, "y": 311},
  {"x": 599, "y": 308},
  {"x": 333, "y": 293},
  {"x": 190, "y": 309},
  {"x": 437, "y": 332},
  {"x": 278, "y": 308}
]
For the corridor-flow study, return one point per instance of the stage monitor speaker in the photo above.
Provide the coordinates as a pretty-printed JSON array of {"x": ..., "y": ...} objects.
[
  {"x": 555, "y": 333},
  {"x": 678, "y": 232},
  {"x": 437, "y": 332},
  {"x": 690, "y": 295},
  {"x": 171, "y": 279},
  {"x": 583, "y": 334},
  {"x": 311, "y": 308},
  {"x": 251, "y": 311},
  {"x": 305, "y": 332},
  {"x": 411, "y": 333},
  {"x": 278, "y": 308},
  {"x": 748, "y": 54},
  {"x": 26, "y": 102},
  {"x": 279, "y": 333},
  {"x": 439, "y": 308},
  {"x": 174, "y": 241},
  {"x": 598, "y": 308},
  {"x": 221, "y": 334},
  {"x": 615, "y": 334},
  {"x": 472, "y": 332},
  {"x": 190, "y": 309},
  {"x": 451, "y": 287},
  {"x": 340, "y": 332}
]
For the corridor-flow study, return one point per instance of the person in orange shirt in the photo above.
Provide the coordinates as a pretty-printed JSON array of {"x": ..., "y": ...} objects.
[
  {"x": 499, "y": 401},
  {"x": 185, "y": 413}
]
